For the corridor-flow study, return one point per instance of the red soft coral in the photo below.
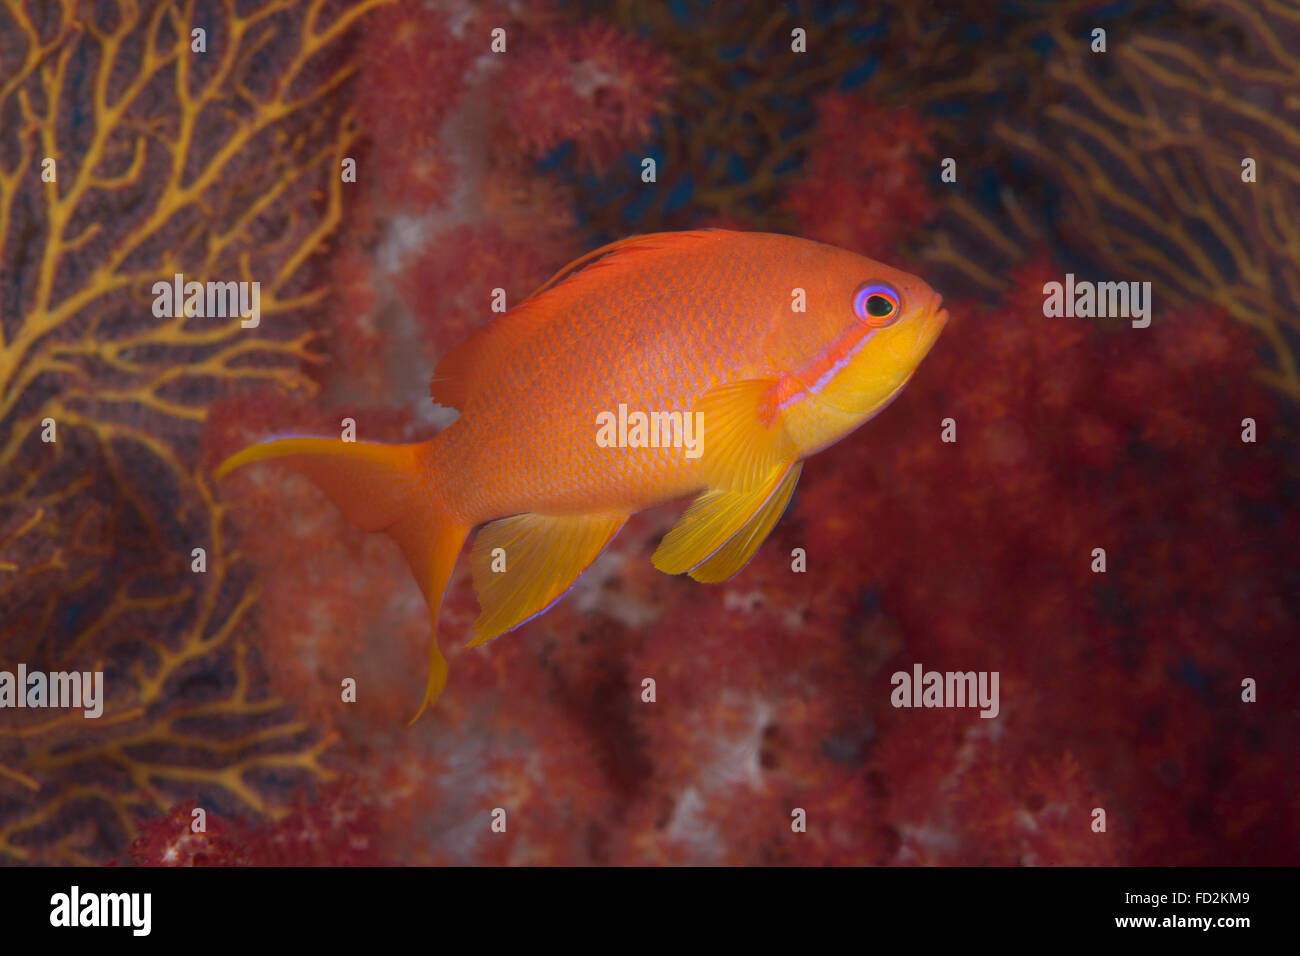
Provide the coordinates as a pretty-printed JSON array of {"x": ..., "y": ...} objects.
[
  {"x": 1134, "y": 452},
  {"x": 335, "y": 826},
  {"x": 863, "y": 186},
  {"x": 171, "y": 840},
  {"x": 412, "y": 71},
  {"x": 449, "y": 286},
  {"x": 342, "y": 604},
  {"x": 591, "y": 85}
]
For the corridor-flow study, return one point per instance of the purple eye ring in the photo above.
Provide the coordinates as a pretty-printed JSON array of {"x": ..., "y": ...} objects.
[{"x": 877, "y": 303}]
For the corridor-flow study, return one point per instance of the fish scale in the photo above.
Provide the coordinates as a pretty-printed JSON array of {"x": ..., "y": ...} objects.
[{"x": 629, "y": 341}]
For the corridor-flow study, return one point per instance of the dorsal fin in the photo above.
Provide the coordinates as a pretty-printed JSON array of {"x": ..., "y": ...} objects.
[
  {"x": 643, "y": 243},
  {"x": 455, "y": 373}
]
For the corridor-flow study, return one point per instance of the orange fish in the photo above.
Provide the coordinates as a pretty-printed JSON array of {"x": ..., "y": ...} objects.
[{"x": 707, "y": 363}]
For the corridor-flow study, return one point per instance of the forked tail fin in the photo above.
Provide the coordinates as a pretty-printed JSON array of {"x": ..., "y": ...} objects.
[{"x": 381, "y": 488}]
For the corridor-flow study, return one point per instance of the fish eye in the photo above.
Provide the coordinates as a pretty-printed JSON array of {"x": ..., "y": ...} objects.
[{"x": 877, "y": 303}]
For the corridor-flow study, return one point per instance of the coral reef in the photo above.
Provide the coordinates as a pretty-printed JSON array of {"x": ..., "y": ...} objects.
[
  {"x": 591, "y": 87},
  {"x": 479, "y": 171},
  {"x": 214, "y": 166},
  {"x": 1134, "y": 676},
  {"x": 1152, "y": 168},
  {"x": 894, "y": 156},
  {"x": 330, "y": 828}
]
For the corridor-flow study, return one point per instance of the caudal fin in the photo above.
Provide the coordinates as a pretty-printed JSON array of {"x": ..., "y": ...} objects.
[{"x": 381, "y": 488}]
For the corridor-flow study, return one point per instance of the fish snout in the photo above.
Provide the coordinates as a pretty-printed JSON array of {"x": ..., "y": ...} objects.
[
  {"x": 936, "y": 317},
  {"x": 935, "y": 306}
]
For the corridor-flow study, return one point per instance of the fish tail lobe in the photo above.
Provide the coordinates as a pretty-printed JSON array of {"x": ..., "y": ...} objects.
[{"x": 384, "y": 488}]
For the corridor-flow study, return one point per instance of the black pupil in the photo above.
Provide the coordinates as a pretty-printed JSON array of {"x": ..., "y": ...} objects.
[{"x": 878, "y": 306}]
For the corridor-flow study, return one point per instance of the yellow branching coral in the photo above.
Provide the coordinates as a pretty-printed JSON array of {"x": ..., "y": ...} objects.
[
  {"x": 143, "y": 140},
  {"x": 1177, "y": 157}
]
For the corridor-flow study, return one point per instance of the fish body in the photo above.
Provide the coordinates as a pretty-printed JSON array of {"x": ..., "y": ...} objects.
[{"x": 751, "y": 351}]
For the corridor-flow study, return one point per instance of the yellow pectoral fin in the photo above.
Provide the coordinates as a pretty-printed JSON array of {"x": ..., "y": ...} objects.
[
  {"x": 713, "y": 519},
  {"x": 524, "y": 564},
  {"x": 741, "y": 436},
  {"x": 731, "y": 558}
]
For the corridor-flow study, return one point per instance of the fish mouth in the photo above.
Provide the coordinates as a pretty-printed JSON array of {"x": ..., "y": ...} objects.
[
  {"x": 930, "y": 329},
  {"x": 937, "y": 321}
]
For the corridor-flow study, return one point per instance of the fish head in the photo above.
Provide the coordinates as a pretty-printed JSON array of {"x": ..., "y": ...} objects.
[{"x": 866, "y": 329}]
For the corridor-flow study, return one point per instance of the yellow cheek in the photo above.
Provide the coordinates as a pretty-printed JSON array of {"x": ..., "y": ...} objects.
[
  {"x": 853, "y": 395},
  {"x": 860, "y": 388},
  {"x": 813, "y": 425}
]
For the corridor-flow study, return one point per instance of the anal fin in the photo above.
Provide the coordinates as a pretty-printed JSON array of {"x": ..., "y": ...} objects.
[
  {"x": 732, "y": 557},
  {"x": 542, "y": 557}
]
